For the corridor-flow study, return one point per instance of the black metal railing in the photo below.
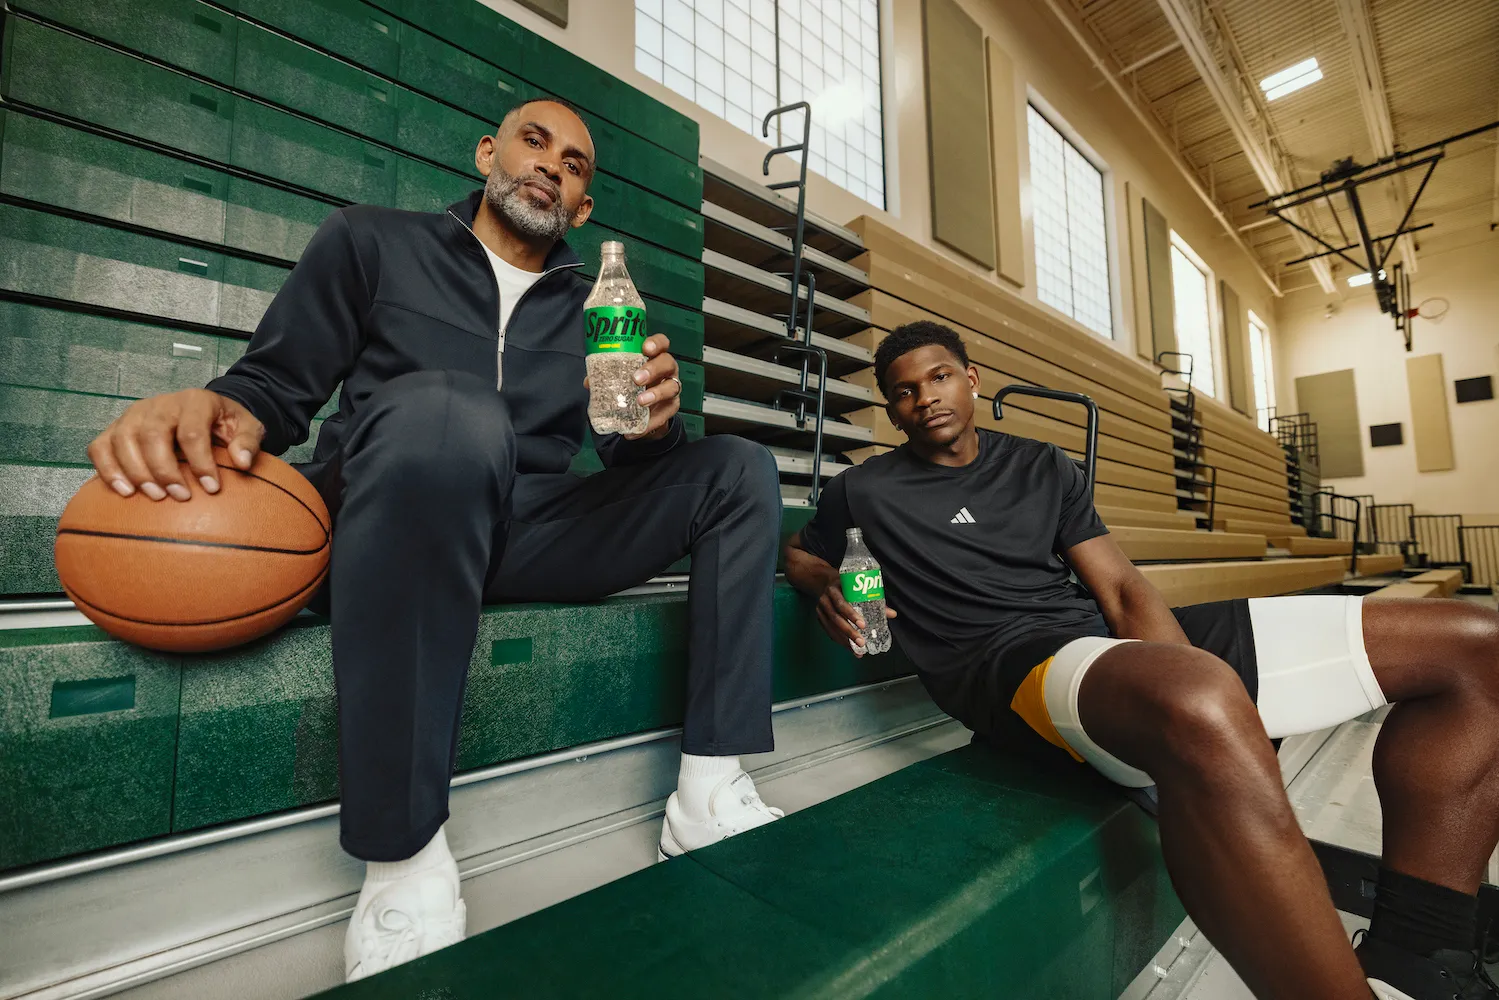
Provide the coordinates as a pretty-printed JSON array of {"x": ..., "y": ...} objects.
[
  {"x": 1193, "y": 445},
  {"x": 1090, "y": 452},
  {"x": 1439, "y": 541},
  {"x": 1341, "y": 514},
  {"x": 1481, "y": 547},
  {"x": 1392, "y": 528},
  {"x": 799, "y": 319}
]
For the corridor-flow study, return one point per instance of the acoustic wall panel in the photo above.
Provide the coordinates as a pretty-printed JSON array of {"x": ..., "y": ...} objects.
[
  {"x": 1158, "y": 274},
  {"x": 1430, "y": 430},
  {"x": 957, "y": 115},
  {"x": 1004, "y": 132},
  {"x": 1331, "y": 402},
  {"x": 1236, "y": 342},
  {"x": 1139, "y": 271}
]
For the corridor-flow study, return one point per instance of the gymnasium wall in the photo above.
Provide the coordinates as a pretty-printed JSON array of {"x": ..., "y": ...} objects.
[
  {"x": 1356, "y": 335},
  {"x": 1046, "y": 60}
]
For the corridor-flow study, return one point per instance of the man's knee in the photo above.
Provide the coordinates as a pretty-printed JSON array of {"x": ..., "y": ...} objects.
[
  {"x": 1203, "y": 715},
  {"x": 1473, "y": 634},
  {"x": 438, "y": 432},
  {"x": 743, "y": 469}
]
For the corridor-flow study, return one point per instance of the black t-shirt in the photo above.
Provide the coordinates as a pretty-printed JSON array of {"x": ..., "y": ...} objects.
[{"x": 969, "y": 555}]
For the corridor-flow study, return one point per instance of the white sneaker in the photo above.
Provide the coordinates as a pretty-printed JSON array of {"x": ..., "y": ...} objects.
[
  {"x": 733, "y": 807},
  {"x": 395, "y": 922}
]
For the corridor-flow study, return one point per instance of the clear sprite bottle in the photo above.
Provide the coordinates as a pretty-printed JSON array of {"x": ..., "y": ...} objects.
[
  {"x": 864, "y": 588},
  {"x": 614, "y": 318}
]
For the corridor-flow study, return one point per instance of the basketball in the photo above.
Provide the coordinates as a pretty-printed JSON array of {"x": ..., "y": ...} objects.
[{"x": 191, "y": 576}]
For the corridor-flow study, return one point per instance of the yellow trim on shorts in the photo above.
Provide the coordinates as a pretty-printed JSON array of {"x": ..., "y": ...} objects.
[{"x": 1030, "y": 704}]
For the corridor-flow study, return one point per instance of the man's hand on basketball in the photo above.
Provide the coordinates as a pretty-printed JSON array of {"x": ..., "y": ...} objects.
[
  {"x": 660, "y": 386},
  {"x": 840, "y": 620},
  {"x": 139, "y": 450}
]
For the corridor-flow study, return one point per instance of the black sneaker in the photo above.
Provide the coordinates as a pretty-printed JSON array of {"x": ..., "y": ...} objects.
[{"x": 1397, "y": 974}]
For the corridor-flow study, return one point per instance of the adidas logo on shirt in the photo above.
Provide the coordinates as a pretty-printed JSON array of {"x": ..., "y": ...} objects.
[{"x": 963, "y": 517}]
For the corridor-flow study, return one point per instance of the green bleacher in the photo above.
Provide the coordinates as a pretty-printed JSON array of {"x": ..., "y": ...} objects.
[{"x": 162, "y": 165}]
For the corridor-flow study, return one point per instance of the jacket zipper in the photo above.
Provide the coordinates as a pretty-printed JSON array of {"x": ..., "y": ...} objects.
[{"x": 499, "y": 354}]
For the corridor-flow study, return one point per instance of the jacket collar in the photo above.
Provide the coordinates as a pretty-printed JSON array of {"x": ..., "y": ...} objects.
[{"x": 465, "y": 211}]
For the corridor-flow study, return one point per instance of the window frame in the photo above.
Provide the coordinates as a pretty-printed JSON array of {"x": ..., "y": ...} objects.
[
  {"x": 831, "y": 149},
  {"x": 1215, "y": 321},
  {"x": 1073, "y": 138},
  {"x": 1259, "y": 328}
]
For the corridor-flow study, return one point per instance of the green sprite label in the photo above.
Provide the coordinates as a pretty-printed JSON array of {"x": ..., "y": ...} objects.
[
  {"x": 615, "y": 329},
  {"x": 862, "y": 585}
]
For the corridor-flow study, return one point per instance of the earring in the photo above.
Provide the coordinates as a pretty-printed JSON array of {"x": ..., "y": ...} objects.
[{"x": 975, "y": 395}]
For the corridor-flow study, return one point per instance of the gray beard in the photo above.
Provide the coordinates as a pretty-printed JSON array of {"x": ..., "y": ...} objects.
[{"x": 506, "y": 198}]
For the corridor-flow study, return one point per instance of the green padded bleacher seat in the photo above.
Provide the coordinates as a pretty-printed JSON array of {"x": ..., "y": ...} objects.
[
  {"x": 114, "y": 743},
  {"x": 280, "y": 70},
  {"x": 965, "y": 875}
]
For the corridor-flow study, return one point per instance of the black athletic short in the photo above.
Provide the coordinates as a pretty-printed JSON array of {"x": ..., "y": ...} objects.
[{"x": 979, "y": 695}]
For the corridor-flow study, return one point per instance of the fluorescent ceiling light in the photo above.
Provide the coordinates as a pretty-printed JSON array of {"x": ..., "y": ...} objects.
[
  {"x": 1291, "y": 79},
  {"x": 1359, "y": 280}
]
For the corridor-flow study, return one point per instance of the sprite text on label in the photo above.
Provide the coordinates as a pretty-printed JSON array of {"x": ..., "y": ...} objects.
[
  {"x": 862, "y": 585},
  {"x": 615, "y": 329}
]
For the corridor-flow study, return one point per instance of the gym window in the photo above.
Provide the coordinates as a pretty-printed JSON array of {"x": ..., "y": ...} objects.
[
  {"x": 741, "y": 58},
  {"x": 1262, "y": 370},
  {"x": 1072, "y": 245},
  {"x": 1192, "y": 287}
]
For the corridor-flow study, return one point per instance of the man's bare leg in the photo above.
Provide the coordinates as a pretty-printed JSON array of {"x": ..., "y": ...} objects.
[
  {"x": 1240, "y": 863},
  {"x": 1436, "y": 764}
]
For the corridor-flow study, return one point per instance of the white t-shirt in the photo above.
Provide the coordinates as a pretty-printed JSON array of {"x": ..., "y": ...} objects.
[{"x": 513, "y": 283}]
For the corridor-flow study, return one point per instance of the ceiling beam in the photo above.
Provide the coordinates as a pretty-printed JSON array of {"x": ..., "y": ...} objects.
[
  {"x": 1153, "y": 129},
  {"x": 1252, "y": 136},
  {"x": 1369, "y": 80}
]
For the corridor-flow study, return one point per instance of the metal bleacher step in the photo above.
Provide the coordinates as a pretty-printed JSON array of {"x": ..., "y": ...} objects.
[
  {"x": 760, "y": 381},
  {"x": 792, "y": 461},
  {"x": 766, "y": 292},
  {"x": 744, "y": 239},
  {"x": 734, "y": 415},
  {"x": 751, "y": 199},
  {"x": 745, "y": 331}
]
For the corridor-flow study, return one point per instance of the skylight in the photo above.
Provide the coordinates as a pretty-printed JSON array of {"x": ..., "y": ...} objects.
[{"x": 1291, "y": 79}]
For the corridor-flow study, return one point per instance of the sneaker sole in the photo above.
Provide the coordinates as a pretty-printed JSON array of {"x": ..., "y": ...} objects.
[
  {"x": 667, "y": 848},
  {"x": 1384, "y": 991}
]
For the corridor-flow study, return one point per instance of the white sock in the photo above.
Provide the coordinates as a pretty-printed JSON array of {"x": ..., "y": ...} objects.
[
  {"x": 697, "y": 779},
  {"x": 434, "y": 855}
]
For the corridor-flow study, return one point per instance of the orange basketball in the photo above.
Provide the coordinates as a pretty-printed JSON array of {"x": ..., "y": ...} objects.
[{"x": 212, "y": 572}]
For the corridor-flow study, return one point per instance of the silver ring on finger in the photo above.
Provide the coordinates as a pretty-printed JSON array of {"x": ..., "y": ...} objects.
[{"x": 678, "y": 382}]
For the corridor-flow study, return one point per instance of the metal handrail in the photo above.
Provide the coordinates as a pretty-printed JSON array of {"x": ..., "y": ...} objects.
[
  {"x": 1090, "y": 454},
  {"x": 801, "y": 394},
  {"x": 1355, "y": 520}
]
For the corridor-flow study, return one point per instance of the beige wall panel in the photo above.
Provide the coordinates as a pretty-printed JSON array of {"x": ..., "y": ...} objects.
[
  {"x": 1158, "y": 278},
  {"x": 1332, "y": 403},
  {"x": 1004, "y": 132},
  {"x": 1431, "y": 430},
  {"x": 957, "y": 132},
  {"x": 1236, "y": 341},
  {"x": 1139, "y": 303}
]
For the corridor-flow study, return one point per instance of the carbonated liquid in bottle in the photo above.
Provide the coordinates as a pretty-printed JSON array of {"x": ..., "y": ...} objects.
[
  {"x": 864, "y": 588},
  {"x": 614, "y": 317}
]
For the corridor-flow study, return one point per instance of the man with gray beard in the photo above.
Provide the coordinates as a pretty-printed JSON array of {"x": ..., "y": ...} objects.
[{"x": 458, "y": 339}]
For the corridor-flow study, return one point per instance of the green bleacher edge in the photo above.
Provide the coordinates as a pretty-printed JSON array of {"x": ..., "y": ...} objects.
[
  {"x": 964, "y": 875},
  {"x": 104, "y": 744}
]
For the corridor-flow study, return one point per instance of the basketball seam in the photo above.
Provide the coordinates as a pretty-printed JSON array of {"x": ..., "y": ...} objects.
[
  {"x": 217, "y": 621},
  {"x": 191, "y": 541},
  {"x": 288, "y": 492}
]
